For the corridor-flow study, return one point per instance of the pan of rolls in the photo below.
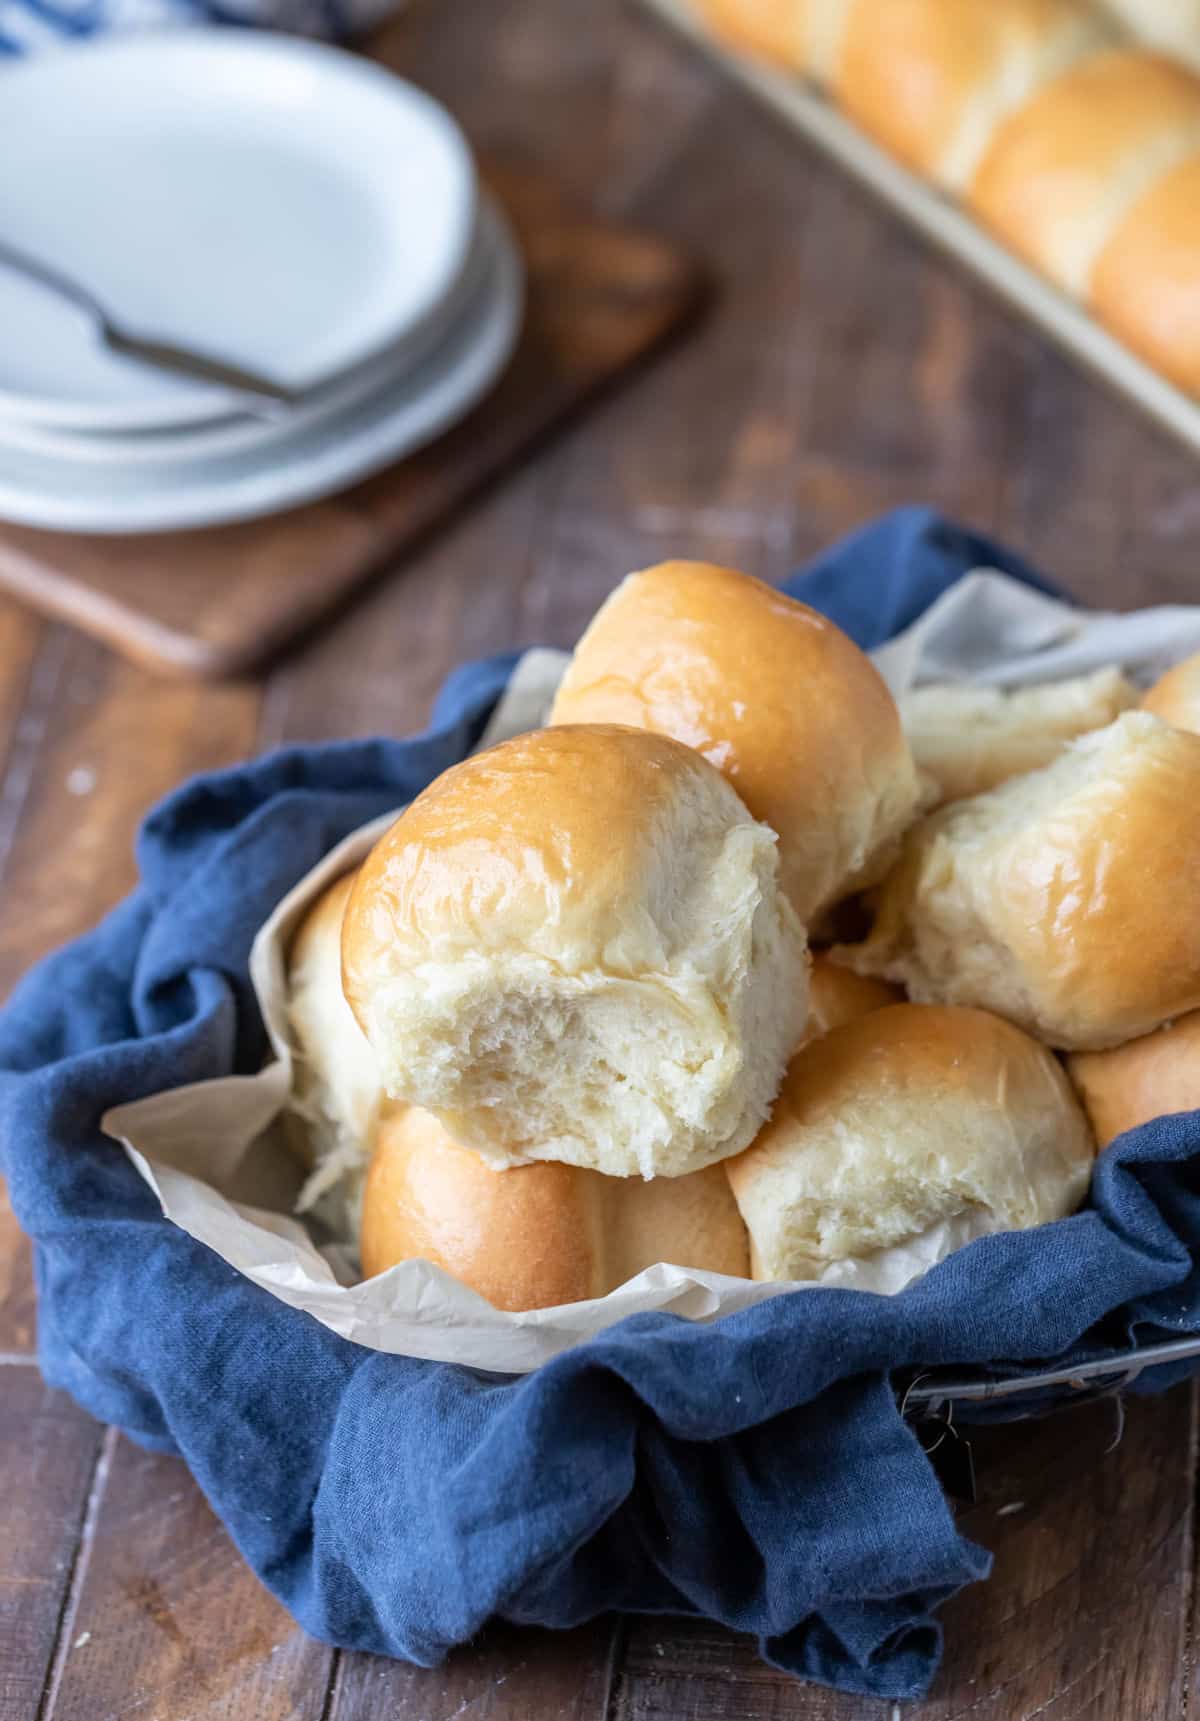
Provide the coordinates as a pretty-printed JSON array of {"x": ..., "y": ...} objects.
[
  {"x": 1052, "y": 145},
  {"x": 740, "y": 965}
]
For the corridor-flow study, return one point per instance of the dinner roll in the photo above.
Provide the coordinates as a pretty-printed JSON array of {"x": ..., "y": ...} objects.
[
  {"x": 935, "y": 80},
  {"x": 903, "y": 1119},
  {"x": 527, "y": 1238},
  {"x": 969, "y": 739},
  {"x": 773, "y": 694},
  {"x": 1175, "y": 696},
  {"x": 1060, "y": 176},
  {"x": 1146, "y": 284},
  {"x": 337, "y": 1091},
  {"x": 837, "y": 995},
  {"x": 536, "y": 1235},
  {"x": 574, "y": 947},
  {"x": 1147, "y": 1078},
  {"x": 1062, "y": 899}
]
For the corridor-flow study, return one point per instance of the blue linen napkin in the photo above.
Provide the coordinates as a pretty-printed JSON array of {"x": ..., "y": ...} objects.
[{"x": 756, "y": 1470}]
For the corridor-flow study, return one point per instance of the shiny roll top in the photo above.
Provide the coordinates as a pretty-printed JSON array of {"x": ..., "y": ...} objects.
[
  {"x": 776, "y": 697},
  {"x": 1062, "y": 899},
  {"x": 1075, "y": 143},
  {"x": 1146, "y": 1078},
  {"x": 574, "y": 947},
  {"x": 534, "y": 1236}
]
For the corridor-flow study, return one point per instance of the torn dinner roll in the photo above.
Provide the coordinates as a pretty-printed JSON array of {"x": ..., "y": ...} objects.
[
  {"x": 969, "y": 739},
  {"x": 902, "y": 1120},
  {"x": 776, "y": 697},
  {"x": 1060, "y": 899},
  {"x": 337, "y": 1093},
  {"x": 574, "y": 947}
]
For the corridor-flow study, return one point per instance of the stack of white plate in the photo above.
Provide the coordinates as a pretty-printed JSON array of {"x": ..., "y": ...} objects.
[{"x": 294, "y": 211}]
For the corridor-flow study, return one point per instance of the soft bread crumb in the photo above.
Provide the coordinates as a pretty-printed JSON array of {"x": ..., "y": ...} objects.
[
  {"x": 970, "y": 739},
  {"x": 574, "y": 947}
]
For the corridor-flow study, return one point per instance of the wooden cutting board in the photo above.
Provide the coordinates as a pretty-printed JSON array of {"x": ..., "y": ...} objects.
[{"x": 220, "y": 602}]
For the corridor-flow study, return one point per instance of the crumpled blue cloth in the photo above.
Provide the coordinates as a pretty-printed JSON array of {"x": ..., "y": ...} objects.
[{"x": 756, "y": 1470}]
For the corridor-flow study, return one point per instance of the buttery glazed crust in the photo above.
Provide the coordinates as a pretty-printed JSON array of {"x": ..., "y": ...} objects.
[
  {"x": 538, "y": 844},
  {"x": 1147, "y": 1078},
  {"x": 775, "y": 696},
  {"x": 535, "y": 1236},
  {"x": 526, "y": 1238}
]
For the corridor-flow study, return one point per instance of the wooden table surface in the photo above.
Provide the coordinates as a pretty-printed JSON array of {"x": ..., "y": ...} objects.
[{"x": 844, "y": 369}]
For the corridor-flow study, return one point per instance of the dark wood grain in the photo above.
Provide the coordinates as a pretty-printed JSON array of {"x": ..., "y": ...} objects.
[
  {"x": 166, "y": 1619},
  {"x": 20, "y": 637},
  {"x": 216, "y": 603},
  {"x": 506, "y": 1675},
  {"x": 48, "y": 1457},
  {"x": 99, "y": 742},
  {"x": 844, "y": 368}
]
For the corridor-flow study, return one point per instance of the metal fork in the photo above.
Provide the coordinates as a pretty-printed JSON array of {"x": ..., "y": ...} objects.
[{"x": 258, "y": 394}]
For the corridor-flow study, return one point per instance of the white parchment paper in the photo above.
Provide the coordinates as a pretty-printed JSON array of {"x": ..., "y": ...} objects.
[{"x": 211, "y": 1151}]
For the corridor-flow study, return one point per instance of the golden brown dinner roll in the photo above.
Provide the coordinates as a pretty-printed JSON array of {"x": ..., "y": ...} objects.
[
  {"x": 837, "y": 995},
  {"x": 773, "y": 694},
  {"x": 526, "y": 1238},
  {"x": 338, "y": 1092},
  {"x": 775, "y": 30},
  {"x": 969, "y": 739},
  {"x": 1065, "y": 133},
  {"x": 802, "y": 35},
  {"x": 1061, "y": 899},
  {"x": 932, "y": 79},
  {"x": 574, "y": 947},
  {"x": 903, "y": 1119},
  {"x": 1146, "y": 1078},
  {"x": 533, "y": 1236},
  {"x": 1146, "y": 284},
  {"x": 1175, "y": 696},
  {"x": 1063, "y": 171}
]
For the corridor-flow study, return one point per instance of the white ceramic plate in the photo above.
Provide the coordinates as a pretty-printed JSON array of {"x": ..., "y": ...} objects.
[
  {"x": 242, "y": 434},
  {"x": 400, "y": 417},
  {"x": 275, "y": 202}
]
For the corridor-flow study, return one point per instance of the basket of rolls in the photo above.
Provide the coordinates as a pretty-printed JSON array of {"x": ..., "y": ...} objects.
[{"x": 687, "y": 1042}]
